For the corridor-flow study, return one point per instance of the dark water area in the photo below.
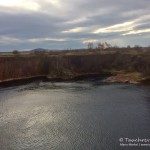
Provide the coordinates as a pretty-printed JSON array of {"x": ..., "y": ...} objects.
[{"x": 81, "y": 115}]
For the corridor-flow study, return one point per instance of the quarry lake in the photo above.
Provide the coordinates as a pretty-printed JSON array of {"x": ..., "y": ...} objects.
[{"x": 80, "y": 115}]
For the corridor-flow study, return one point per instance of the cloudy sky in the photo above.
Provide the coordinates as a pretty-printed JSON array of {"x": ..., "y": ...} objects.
[{"x": 62, "y": 24}]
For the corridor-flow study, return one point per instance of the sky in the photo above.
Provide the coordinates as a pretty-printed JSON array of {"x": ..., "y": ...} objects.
[{"x": 71, "y": 24}]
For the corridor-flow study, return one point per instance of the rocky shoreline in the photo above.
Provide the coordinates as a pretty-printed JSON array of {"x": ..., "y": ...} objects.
[
  {"x": 105, "y": 77},
  {"x": 131, "y": 78},
  {"x": 26, "y": 80}
]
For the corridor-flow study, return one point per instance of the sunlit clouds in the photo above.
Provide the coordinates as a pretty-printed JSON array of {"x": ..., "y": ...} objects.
[
  {"x": 90, "y": 41},
  {"x": 137, "y": 31},
  {"x": 75, "y": 30},
  {"x": 12, "y": 40},
  {"x": 22, "y": 4},
  {"x": 116, "y": 28}
]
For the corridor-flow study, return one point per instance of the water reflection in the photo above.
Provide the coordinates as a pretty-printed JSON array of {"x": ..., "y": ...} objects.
[{"x": 72, "y": 115}]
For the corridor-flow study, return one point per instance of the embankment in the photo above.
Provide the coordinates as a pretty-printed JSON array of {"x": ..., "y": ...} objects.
[{"x": 67, "y": 67}]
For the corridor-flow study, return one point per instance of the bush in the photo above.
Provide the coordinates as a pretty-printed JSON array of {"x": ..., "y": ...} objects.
[{"x": 15, "y": 52}]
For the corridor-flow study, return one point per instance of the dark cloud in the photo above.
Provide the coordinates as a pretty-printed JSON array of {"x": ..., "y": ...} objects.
[{"x": 29, "y": 25}]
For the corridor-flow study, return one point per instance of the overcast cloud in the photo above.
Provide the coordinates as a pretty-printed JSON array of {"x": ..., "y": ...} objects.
[{"x": 62, "y": 24}]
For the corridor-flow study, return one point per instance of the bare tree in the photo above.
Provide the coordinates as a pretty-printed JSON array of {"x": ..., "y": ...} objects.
[
  {"x": 129, "y": 46},
  {"x": 90, "y": 45},
  {"x": 100, "y": 45},
  {"x": 107, "y": 45}
]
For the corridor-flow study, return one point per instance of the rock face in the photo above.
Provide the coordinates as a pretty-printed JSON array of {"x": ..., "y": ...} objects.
[{"x": 70, "y": 66}]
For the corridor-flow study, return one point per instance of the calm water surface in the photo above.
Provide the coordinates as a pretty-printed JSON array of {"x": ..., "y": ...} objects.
[{"x": 83, "y": 115}]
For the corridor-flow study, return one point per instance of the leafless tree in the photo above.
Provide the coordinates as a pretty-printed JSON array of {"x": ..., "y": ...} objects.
[{"x": 90, "y": 45}]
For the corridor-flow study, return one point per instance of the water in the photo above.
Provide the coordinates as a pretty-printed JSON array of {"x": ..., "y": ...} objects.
[{"x": 83, "y": 115}]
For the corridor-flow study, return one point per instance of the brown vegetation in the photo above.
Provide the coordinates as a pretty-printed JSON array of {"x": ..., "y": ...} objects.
[{"x": 70, "y": 64}]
